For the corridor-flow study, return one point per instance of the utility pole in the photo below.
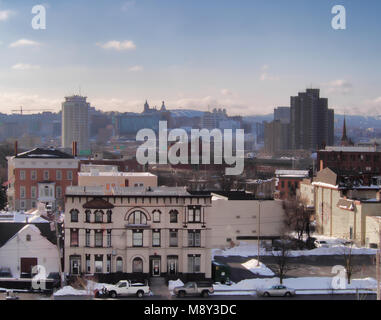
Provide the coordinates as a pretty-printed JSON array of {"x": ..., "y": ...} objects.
[
  {"x": 259, "y": 231},
  {"x": 59, "y": 251}
]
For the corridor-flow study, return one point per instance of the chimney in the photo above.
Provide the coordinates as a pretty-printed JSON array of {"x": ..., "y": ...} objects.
[
  {"x": 16, "y": 148},
  {"x": 321, "y": 165},
  {"x": 74, "y": 148}
]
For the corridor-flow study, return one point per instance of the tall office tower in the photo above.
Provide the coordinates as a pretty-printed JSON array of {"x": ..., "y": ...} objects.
[
  {"x": 282, "y": 114},
  {"x": 75, "y": 123},
  {"x": 312, "y": 123}
]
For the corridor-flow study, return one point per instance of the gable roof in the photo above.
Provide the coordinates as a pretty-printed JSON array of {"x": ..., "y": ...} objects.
[
  {"x": 98, "y": 203},
  {"x": 44, "y": 153},
  {"x": 9, "y": 230},
  {"x": 327, "y": 176}
]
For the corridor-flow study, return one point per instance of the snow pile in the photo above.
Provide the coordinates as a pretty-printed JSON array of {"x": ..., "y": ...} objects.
[
  {"x": 70, "y": 291},
  {"x": 261, "y": 269},
  {"x": 174, "y": 283},
  {"x": 316, "y": 285},
  {"x": 249, "y": 250}
]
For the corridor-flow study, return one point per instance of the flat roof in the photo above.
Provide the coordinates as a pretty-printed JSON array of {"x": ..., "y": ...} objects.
[
  {"x": 115, "y": 174},
  {"x": 129, "y": 191}
]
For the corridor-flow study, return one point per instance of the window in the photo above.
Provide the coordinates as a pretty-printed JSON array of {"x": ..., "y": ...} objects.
[
  {"x": 33, "y": 192},
  {"x": 282, "y": 184},
  {"x": 74, "y": 215},
  {"x": 22, "y": 192},
  {"x": 137, "y": 265},
  {"x": 173, "y": 214},
  {"x": 33, "y": 175},
  {"x": 74, "y": 238},
  {"x": 88, "y": 264},
  {"x": 46, "y": 175},
  {"x": 58, "y": 175},
  {"x": 99, "y": 264},
  {"x": 156, "y": 216},
  {"x": 28, "y": 237},
  {"x": 69, "y": 175},
  {"x": 156, "y": 238},
  {"x": 99, "y": 239},
  {"x": 87, "y": 238},
  {"x": 119, "y": 264},
  {"x": 138, "y": 218},
  {"x": 22, "y": 204},
  {"x": 88, "y": 216},
  {"x": 137, "y": 238},
  {"x": 109, "y": 214},
  {"x": 109, "y": 238},
  {"x": 194, "y": 264},
  {"x": 173, "y": 238},
  {"x": 22, "y": 174},
  {"x": 99, "y": 216},
  {"x": 194, "y": 214},
  {"x": 194, "y": 238},
  {"x": 58, "y": 192}
]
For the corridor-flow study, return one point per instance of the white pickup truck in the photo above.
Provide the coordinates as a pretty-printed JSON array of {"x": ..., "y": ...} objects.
[{"x": 127, "y": 288}]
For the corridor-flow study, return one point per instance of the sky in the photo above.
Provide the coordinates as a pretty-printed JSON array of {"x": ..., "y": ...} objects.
[{"x": 248, "y": 56}]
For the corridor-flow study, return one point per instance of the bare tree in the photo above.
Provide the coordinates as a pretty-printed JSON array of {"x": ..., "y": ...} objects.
[
  {"x": 281, "y": 258},
  {"x": 297, "y": 216},
  {"x": 348, "y": 261}
]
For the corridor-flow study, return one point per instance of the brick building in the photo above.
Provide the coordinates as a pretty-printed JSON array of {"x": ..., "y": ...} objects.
[
  {"x": 288, "y": 182},
  {"x": 353, "y": 161},
  {"x": 40, "y": 175}
]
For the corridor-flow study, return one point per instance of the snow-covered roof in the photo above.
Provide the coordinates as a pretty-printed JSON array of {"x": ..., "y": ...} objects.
[
  {"x": 292, "y": 173},
  {"x": 21, "y": 217}
]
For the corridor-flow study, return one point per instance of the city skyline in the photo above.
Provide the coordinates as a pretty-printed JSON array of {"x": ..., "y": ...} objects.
[{"x": 248, "y": 58}]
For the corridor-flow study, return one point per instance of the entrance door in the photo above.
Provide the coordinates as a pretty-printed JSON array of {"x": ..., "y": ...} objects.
[
  {"x": 156, "y": 267},
  {"x": 75, "y": 265},
  {"x": 27, "y": 265},
  {"x": 172, "y": 266}
]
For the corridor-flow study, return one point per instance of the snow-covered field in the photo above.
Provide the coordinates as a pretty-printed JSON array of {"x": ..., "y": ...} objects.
[
  {"x": 309, "y": 285},
  {"x": 249, "y": 250},
  {"x": 262, "y": 270}
]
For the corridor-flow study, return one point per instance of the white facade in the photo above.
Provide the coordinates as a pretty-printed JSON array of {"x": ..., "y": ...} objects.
[
  {"x": 75, "y": 122},
  {"x": 28, "y": 243}
]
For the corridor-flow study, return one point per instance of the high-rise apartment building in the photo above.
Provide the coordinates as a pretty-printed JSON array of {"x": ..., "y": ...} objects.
[
  {"x": 282, "y": 114},
  {"x": 312, "y": 123},
  {"x": 75, "y": 123}
]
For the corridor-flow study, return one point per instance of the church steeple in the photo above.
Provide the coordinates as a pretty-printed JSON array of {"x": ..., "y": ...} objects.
[{"x": 345, "y": 141}]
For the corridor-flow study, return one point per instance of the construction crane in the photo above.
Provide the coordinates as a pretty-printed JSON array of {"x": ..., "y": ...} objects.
[{"x": 22, "y": 111}]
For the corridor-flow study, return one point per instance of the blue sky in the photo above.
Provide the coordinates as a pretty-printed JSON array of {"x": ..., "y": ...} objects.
[{"x": 248, "y": 56}]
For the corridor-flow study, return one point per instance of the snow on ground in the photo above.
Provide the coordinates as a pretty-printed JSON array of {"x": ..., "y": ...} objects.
[
  {"x": 174, "y": 283},
  {"x": 261, "y": 269},
  {"x": 323, "y": 284},
  {"x": 70, "y": 291},
  {"x": 245, "y": 249}
]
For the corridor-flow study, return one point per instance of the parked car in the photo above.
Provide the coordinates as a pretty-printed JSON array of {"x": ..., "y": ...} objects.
[
  {"x": 56, "y": 279},
  {"x": 127, "y": 288},
  {"x": 277, "y": 291},
  {"x": 321, "y": 244},
  {"x": 5, "y": 273},
  {"x": 200, "y": 288}
]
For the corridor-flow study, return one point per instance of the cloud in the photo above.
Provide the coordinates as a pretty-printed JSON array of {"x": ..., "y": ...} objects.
[
  {"x": 128, "y": 5},
  {"x": 265, "y": 75},
  {"x": 24, "y": 43},
  {"x": 136, "y": 69},
  {"x": 5, "y": 14},
  {"x": 118, "y": 45},
  {"x": 12, "y": 100},
  {"x": 24, "y": 66},
  {"x": 338, "y": 86},
  {"x": 226, "y": 92}
]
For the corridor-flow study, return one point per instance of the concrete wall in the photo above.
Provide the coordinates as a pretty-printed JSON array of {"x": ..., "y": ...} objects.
[
  {"x": 118, "y": 180},
  {"x": 229, "y": 219}
]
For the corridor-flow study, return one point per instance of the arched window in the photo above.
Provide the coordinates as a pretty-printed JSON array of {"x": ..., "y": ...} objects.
[
  {"x": 156, "y": 215},
  {"x": 109, "y": 214},
  {"x": 137, "y": 265},
  {"x": 74, "y": 215},
  {"x": 99, "y": 216},
  {"x": 28, "y": 237},
  {"x": 173, "y": 216},
  {"x": 119, "y": 264},
  {"x": 138, "y": 218},
  {"x": 88, "y": 215}
]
